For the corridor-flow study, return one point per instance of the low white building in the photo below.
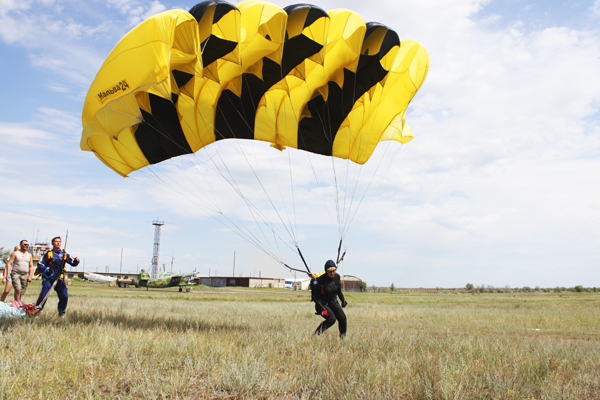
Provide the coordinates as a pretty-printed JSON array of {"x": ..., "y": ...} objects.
[
  {"x": 253, "y": 282},
  {"x": 349, "y": 283},
  {"x": 301, "y": 284}
]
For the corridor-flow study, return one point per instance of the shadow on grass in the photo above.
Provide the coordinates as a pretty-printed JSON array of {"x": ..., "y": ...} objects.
[{"x": 139, "y": 322}]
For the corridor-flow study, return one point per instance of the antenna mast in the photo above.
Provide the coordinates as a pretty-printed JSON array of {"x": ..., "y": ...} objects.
[{"x": 154, "y": 268}]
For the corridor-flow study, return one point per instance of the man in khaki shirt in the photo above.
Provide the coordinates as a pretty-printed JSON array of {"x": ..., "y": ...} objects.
[{"x": 22, "y": 269}]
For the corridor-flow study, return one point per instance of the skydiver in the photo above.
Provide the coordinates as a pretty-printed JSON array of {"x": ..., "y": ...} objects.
[
  {"x": 52, "y": 266},
  {"x": 326, "y": 288},
  {"x": 22, "y": 269},
  {"x": 7, "y": 280}
]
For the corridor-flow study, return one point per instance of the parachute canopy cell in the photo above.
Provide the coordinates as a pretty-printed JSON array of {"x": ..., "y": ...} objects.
[{"x": 323, "y": 82}]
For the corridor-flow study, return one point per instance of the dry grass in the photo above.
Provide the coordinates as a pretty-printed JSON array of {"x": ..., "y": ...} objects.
[{"x": 129, "y": 344}]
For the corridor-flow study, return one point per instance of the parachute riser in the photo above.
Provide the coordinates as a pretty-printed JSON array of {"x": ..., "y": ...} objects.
[
  {"x": 292, "y": 269},
  {"x": 296, "y": 269},
  {"x": 304, "y": 261},
  {"x": 338, "y": 256},
  {"x": 341, "y": 258}
]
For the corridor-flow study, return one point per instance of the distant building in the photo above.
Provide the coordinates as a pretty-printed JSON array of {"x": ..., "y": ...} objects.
[
  {"x": 37, "y": 251},
  {"x": 301, "y": 284},
  {"x": 350, "y": 283},
  {"x": 252, "y": 282},
  {"x": 79, "y": 274},
  {"x": 122, "y": 275}
]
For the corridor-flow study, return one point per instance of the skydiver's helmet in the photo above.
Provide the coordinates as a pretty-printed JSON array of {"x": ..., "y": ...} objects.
[{"x": 330, "y": 266}]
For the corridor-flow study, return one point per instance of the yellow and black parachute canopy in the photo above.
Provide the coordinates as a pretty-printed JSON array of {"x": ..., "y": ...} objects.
[{"x": 324, "y": 82}]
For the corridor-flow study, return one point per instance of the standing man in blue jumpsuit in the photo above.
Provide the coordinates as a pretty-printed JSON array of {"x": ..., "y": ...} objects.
[{"x": 52, "y": 266}]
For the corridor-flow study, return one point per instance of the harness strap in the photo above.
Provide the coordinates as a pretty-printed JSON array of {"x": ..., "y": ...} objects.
[{"x": 50, "y": 259}]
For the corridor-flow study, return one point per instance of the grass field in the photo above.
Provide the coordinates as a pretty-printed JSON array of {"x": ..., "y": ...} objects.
[{"x": 258, "y": 344}]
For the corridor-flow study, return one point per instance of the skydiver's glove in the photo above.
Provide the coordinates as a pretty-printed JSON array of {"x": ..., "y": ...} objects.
[
  {"x": 344, "y": 304},
  {"x": 48, "y": 274}
]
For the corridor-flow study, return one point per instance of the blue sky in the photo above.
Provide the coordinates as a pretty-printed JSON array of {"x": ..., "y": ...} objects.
[{"x": 500, "y": 186}]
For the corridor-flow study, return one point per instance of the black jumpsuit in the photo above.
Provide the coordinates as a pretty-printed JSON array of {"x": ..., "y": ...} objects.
[{"x": 325, "y": 291}]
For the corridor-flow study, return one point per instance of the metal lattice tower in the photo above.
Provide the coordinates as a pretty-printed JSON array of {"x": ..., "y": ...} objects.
[{"x": 154, "y": 268}]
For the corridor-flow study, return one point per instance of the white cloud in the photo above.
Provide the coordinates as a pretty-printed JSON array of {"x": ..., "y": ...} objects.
[
  {"x": 60, "y": 121},
  {"x": 23, "y": 135},
  {"x": 501, "y": 124},
  {"x": 54, "y": 41},
  {"x": 59, "y": 88},
  {"x": 155, "y": 8},
  {"x": 49, "y": 125},
  {"x": 527, "y": 7},
  {"x": 11, "y": 5},
  {"x": 137, "y": 11},
  {"x": 595, "y": 8}
]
